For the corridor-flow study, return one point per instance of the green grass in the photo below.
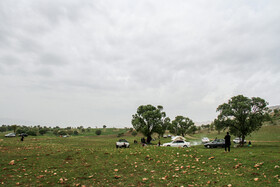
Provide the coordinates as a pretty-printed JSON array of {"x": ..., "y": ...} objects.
[{"x": 94, "y": 161}]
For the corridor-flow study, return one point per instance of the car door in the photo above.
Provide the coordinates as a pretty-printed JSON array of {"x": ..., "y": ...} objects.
[
  {"x": 180, "y": 143},
  {"x": 221, "y": 143},
  {"x": 174, "y": 144}
]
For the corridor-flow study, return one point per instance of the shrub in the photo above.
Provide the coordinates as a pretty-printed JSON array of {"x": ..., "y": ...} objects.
[
  {"x": 98, "y": 132},
  {"x": 76, "y": 132},
  {"x": 70, "y": 132},
  {"x": 120, "y": 134},
  {"x": 62, "y": 133},
  {"x": 32, "y": 132},
  {"x": 55, "y": 132},
  {"x": 42, "y": 131},
  {"x": 134, "y": 133}
]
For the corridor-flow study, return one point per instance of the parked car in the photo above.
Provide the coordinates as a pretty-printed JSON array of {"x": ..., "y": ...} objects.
[
  {"x": 205, "y": 140},
  {"x": 216, "y": 143},
  {"x": 122, "y": 143},
  {"x": 238, "y": 140},
  {"x": 10, "y": 135},
  {"x": 177, "y": 143},
  {"x": 23, "y": 134},
  {"x": 165, "y": 136}
]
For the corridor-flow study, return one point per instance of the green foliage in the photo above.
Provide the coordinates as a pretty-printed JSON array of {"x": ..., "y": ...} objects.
[
  {"x": 193, "y": 129},
  {"x": 55, "y": 131},
  {"x": 134, "y": 133},
  {"x": 14, "y": 127},
  {"x": 148, "y": 120},
  {"x": 21, "y": 130},
  {"x": 163, "y": 127},
  {"x": 120, "y": 134},
  {"x": 70, "y": 132},
  {"x": 98, "y": 132},
  {"x": 42, "y": 131},
  {"x": 104, "y": 126},
  {"x": 3, "y": 128},
  {"x": 76, "y": 132},
  {"x": 242, "y": 115},
  {"x": 32, "y": 132},
  {"x": 219, "y": 126},
  {"x": 62, "y": 132},
  {"x": 181, "y": 126}
]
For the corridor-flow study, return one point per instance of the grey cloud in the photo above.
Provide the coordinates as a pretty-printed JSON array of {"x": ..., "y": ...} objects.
[{"x": 187, "y": 56}]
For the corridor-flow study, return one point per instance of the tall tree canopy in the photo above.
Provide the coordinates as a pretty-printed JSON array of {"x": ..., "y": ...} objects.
[
  {"x": 242, "y": 115},
  {"x": 148, "y": 120},
  {"x": 181, "y": 125}
]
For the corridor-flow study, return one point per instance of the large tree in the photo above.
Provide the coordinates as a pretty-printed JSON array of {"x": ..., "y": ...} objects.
[
  {"x": 148, "y": 120},
  {"x": 242, "y": 115},
  {"x": 181, "y": 125}
]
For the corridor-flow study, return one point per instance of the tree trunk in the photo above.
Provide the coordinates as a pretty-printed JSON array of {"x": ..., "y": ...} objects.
[{"x": 242, "y": 140}]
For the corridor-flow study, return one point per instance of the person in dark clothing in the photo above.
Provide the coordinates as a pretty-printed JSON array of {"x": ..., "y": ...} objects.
[
  {"x": 227, "y": 142},
  {"x": 22, "y": 137}
]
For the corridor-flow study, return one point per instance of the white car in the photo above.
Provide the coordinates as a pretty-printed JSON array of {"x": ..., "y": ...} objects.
[
  {"x": 238, "y": 140},
  {"x": 205, "y": 140},
  {"x": 10, "y": 135},
  {"x": 177, "y": 143},
  {"x": 122, "y": 143}
]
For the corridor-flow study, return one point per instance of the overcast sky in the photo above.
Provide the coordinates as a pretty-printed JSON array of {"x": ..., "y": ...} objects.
[{"x": 93, "y": 62}]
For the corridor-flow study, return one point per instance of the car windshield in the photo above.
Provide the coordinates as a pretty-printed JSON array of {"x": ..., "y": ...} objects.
[{"x": 122, "y": 140}]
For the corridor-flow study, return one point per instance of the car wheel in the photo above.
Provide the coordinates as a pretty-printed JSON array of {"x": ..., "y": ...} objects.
[
  {"x": 185, "y": 146},
  {"x": 208, "y": 146},
  {"x": 117, "y": 146},
  {"x": 168, "y": 146}
]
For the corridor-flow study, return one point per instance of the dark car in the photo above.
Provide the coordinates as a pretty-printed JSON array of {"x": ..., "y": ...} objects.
[
  {"x": 23, "y": 134},
  {"x": 216, "y": 143}
]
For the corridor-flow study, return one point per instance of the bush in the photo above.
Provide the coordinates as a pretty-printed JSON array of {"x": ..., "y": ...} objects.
[
  {"x": 55, "y": 132},
  {"x": 70, "y": 132},
  {"x": 42, "y": 131},
  {"x": 76, "y": 132},
  {"x": 134, "y": 133},
  {"x": 98, "y": 132},
  {"x": 120, "y": 134},
  {"x": 62, "y": 133},
  {"x": 20, "y": 130},
  {"x": 32, "y": 132},
  {"x": 3, "y": 129}
]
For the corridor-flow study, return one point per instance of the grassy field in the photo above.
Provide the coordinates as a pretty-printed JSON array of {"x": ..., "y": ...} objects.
[{"x": 94, "y": 161}]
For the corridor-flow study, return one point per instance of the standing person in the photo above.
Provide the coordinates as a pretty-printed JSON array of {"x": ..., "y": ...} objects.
[
  {"x": 159, "y": 143},
  {"x": 227, "y": 142},
  {"x": 22, "y": 137}
]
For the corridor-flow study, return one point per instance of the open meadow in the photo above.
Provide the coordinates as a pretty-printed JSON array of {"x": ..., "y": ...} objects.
[{"x": 92, "y": 160}]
